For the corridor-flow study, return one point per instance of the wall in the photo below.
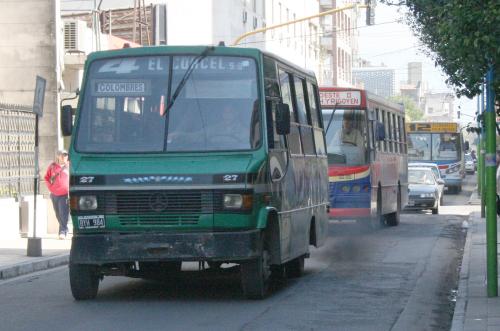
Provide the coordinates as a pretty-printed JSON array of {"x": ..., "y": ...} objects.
[{"x": 28, "y": 32}]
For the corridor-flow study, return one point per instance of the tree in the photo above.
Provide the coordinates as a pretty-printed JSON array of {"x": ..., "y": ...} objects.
[
  {"x": 462, "y": 36},
  {"x": 412, "y": 112}
]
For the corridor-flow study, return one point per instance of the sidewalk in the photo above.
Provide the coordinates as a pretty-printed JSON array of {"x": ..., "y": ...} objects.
[
  {"x": 15, "y": 262},
  {"x": 473, "y": 309}
]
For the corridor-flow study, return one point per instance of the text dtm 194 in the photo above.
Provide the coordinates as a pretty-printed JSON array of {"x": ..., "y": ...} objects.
[
  {"x": 367, "y": 163},
  {"x": 209, "y": 154}
]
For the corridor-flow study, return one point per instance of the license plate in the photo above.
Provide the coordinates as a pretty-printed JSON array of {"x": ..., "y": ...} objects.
[
  {"x": 91, "y": 222},
  {"x": 411, "y": 203}
]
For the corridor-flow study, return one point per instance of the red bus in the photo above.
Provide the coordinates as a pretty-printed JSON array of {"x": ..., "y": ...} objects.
[{"x": 367, "y": 156}]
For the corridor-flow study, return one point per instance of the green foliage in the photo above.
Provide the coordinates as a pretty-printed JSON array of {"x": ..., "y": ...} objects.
[
  {"x": 462, "y": 36},
  {"x": 412, "y": 112}
]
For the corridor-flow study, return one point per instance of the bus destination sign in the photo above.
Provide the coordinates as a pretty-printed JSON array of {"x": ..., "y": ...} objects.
[
  {"x": 119, "y": 87},
  {"x": 432, "y": 127},
  {"x": 340, "y": 98}
]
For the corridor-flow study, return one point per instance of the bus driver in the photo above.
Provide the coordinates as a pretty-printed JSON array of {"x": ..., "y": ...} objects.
[{"x": 349, "y": 134}]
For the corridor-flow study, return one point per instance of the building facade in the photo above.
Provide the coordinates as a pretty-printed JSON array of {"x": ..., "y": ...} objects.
[
  {"x": 439, "y": 107},
  {"x": 339, "y": 44},
  {"x": 378, "y": 80}
]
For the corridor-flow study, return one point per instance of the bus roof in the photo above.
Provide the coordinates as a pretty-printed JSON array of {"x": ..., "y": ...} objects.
[{"x": 192, "y": 50}]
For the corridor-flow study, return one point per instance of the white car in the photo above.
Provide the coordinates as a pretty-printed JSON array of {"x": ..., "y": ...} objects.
[
  {"x": 435, "y": 170},
  {"x": 470, "y": 167}
]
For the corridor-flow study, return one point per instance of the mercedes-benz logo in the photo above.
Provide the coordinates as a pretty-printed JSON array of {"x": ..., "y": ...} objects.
[{"x": 158, "y": 202}]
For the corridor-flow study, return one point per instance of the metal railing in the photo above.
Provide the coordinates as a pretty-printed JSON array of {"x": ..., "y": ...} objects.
[{"x": 17, "y": 150}]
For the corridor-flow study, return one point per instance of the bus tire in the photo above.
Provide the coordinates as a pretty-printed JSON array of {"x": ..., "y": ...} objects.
[
  {"x": 295, "y": 267},
  {"x": 255, "y": 275},
  {"x": 379, "y": 220},
  {"x": 394, "y": 218},
  {"x": 84, "y": 281}
]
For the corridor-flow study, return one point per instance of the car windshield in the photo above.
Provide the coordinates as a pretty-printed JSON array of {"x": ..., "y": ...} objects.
[
  {"x": 421, "y": 176},
  {"x": 346, "y": 136},
  {"x": 468, "y": 157},
  {"x": 125, "y": 105}
]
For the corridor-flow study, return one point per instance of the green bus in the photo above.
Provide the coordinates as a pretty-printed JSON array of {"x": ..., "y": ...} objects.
[{"x": 194, "y": 153}]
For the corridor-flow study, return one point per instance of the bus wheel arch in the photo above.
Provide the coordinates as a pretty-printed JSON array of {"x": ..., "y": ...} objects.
[{"x": 313, "y": 237}]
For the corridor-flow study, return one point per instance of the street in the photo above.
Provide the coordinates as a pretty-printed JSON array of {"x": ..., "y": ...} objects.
[{"x": 398, "y": 278}]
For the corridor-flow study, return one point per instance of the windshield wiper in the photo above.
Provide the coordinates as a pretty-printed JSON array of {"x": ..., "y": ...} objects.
[
  {"x": 188, "y": 73},
  {"x": 331, "y": 118}
]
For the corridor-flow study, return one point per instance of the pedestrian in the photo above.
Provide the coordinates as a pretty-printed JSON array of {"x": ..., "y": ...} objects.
[{"x": 57, "y": 180}]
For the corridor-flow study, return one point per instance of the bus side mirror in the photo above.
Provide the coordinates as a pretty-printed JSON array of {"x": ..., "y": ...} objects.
[
  {"x": 66, "y": 120},
  {"x": 466, "y": 146},
  {"x": 282, "y": 119},
  {"x": 380, "y": 131}
]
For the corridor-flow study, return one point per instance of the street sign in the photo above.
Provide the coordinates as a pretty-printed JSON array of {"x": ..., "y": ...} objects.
[{"x": 39, "y": 96}]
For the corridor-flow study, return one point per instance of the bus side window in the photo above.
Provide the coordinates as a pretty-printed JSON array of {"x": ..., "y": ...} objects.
[
  {"x": 386, "y": 125},
  {"x": 304, "y": 120},
  {"x": 319, "y": 141},
  {"x": 390, "y": 132},
  {"x": 293, "y": 138},
  {"x": 402, "y": 129},
  {"x": 396, "y": 133},
  {"x": 274, "y": 139},
  {"x": 375, "y": 128}
]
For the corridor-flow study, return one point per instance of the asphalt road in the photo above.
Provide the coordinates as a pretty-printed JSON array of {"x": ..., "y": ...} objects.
[{"x": 400, "y": 278}]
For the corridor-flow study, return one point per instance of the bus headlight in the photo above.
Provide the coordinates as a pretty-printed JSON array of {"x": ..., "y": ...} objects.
[
  {"x": 238, "y": 201},
  {"x": 87, "y": 202}
]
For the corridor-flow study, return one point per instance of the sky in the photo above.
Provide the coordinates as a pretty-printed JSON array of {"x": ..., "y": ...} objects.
[{"x": 392, "y": 43}]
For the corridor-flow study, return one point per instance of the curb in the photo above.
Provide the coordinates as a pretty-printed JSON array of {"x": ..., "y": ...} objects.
[
  {"x": 458, "y": 321},
  {"x": 25, "y": 268}
]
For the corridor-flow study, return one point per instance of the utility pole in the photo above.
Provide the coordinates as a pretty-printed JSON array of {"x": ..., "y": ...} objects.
[
  {"x": 490, "y": 170},
  {"x": 478, "y": 149},
  {"x": 483, "y": 138}
]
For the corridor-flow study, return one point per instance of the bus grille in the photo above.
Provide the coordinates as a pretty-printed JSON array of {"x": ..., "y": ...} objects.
[
  {"x": 155, "y": 220},
  {"x": 150, "y": 208}
]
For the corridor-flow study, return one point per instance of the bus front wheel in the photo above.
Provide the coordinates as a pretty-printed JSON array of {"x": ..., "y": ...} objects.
[
  {"x": 84, "y": 281},
  {"x": 255, "y": 275}
]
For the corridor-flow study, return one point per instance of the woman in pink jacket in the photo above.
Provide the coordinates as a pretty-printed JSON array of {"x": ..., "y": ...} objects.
[{"x": 57, "y": 180}]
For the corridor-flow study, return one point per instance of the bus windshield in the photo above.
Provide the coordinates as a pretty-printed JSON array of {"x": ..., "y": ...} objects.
[
  {"x": 346, "y": 143},
  {"x": 124, "y": 109},
  {"x": 434, "y": 146}
]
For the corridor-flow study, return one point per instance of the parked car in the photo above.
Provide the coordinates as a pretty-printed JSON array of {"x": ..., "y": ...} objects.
[
  {"x": 423, "y": 190},
  {"x": 470, "y": 166},
  {"x": 435, "y": 170}
]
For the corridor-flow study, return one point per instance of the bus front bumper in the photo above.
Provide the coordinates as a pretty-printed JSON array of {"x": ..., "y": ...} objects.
[{"x": 124, "y": 247}]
